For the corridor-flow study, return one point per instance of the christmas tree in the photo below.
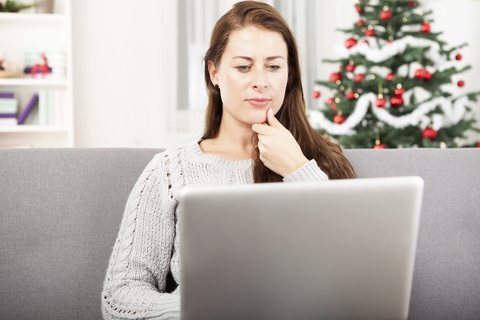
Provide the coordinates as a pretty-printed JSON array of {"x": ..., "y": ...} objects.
[{"x": 392, "y": 86}]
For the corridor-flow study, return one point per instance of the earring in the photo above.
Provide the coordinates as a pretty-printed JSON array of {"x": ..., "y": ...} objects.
[{"x": 216, "y": 86}]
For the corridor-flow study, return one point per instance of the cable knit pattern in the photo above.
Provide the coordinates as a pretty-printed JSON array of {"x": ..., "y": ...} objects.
[{"x": 148, "y": 243}]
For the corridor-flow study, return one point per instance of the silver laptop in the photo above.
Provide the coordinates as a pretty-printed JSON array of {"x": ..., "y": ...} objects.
[{"x": 340, "y": 249}]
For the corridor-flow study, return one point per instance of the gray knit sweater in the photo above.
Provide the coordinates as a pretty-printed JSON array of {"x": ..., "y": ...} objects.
[{"x": 148, "y": 243}]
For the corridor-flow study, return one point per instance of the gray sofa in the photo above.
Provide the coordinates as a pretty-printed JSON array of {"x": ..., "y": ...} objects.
[{"x": 60, "y": 210}]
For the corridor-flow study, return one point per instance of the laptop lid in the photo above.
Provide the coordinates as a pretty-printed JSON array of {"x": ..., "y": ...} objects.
[{"x": 342, "y": 249}]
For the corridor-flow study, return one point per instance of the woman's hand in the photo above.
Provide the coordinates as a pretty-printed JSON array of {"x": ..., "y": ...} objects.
[{"x": 279, "y": 150}]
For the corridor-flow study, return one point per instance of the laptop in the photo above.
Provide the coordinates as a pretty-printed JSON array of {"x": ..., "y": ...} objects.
[{"x": 341, "y": 249}]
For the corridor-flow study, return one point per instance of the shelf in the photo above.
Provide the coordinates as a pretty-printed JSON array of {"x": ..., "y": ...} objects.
[
  {"x": 32, "y": 129},
  {"x": 46, "y": 82},
  {"x": 33, "y": 17}
]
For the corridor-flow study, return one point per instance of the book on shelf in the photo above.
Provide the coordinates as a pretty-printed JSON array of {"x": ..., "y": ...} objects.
[
  {"x": 8, "y": 119},
  {"x": 52, "y": 104},
  {"x": 7, "y": 95},
  {"x": 8, "y": 105},
  {"x": 28, "y": 108}
]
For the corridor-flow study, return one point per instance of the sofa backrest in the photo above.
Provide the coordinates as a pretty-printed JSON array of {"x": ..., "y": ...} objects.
[
  {"x": 60, "y": 211},
  {"x": 446, "y": 281}
]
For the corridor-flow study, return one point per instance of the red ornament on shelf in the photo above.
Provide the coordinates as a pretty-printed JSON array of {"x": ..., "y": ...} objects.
[
  {"x": 425, "y": 27},
  {"x": 380, "y": 102},
  {"x": 379, "y": 145},
  {"x": 458, "y": 57},
  {"x": 359, "y": 77},
  {"x": 316, "y": 94},
  {"x": 350, "y": 67},
  {"x": 350, "y": 42},
  {"x": 390, "y": 76},
  {"x": 460, "y": 83},
  {"x": 339, "y": 118},
  {"x": 369, "y": 32},
  {"x": 429, "y": 133},
  {"x": 359, "y": 8},
  {"x": 386, "y": 14},
  {"x": 351, "y": 95},
  {"x": 396, "y": 101},
  {"x": 334, "y": 77}
]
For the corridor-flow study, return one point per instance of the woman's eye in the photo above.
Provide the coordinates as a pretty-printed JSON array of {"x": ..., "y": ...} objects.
[
  {"x": 243, "y": 68},
  {"x": 273, "y": 68}
]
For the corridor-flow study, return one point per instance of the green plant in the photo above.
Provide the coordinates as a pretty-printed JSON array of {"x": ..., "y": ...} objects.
[{"x": 12, "y": 6}]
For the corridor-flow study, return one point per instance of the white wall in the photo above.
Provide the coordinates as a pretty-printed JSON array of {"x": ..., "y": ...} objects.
[{"x": 125, "y": 58}]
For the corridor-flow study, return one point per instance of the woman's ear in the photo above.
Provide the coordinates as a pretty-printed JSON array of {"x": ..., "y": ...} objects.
[{"x": 213, "y": 72}]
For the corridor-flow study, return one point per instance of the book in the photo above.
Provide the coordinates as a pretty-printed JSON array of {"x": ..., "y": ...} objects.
[
  {"x": 7, "y": 115},
  {"x": 7, "y": 95},
  {"x": 8, "y": 121},
  {"x": 8, "y": 105},
  {"x": 29, "y": 107}
]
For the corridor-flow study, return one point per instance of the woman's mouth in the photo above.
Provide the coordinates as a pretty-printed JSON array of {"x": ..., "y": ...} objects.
[{"x": 259, "y": 102}]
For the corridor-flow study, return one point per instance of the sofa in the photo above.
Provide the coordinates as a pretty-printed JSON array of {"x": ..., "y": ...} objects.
[{"x": 60, "y": 210}]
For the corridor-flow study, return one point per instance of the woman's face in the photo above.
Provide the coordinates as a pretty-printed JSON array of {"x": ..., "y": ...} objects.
[{"x": 252, "y": 75}]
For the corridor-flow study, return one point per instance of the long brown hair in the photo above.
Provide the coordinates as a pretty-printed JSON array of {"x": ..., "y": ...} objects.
[{"x": 292, "y": 115}]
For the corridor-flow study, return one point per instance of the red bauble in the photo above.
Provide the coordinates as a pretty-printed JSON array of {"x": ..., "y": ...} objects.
[
  {"x": 350, "y": 42},
  {"x": 460, "y": 83},
  {"x": 411, "y": 3},
  {"x": 458, "y": 57},
  {"x": 339, "y": 118},
  {"x": 351, "y": 95},
  {"x": 390, "y": 76},
  {"x": 369, "y": 32},
  {"x": 350, "y": 67},
  {"x": 386, "y": 15},
  {"x": 425, "y": 27},
  {"x": 330, "y": 100},
  {"x": 396, "y": 101},
  {"x": 427, "y": 76},
  {"x": 316, "y": 94},
  {"x": 359, "y": 77},
  {"x": 429, "y": 133},
  {"x": 359, "y": 8},
  {"x": 423, "y": 74},
  {"x": 478, "y": 144},
  {"x": 380, "y": 102},
  {"x": 334, "y": 77},
  {"x": 419, "y": 74},
  {"x": 334, "y": 106},
  {"x": 360, "y": 22},
  {"x": 378, "y": 145},
  {"x": 399, "y": 91}
]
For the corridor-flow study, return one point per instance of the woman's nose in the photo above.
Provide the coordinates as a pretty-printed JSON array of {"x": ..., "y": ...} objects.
[{"x": 260, "y": 80}]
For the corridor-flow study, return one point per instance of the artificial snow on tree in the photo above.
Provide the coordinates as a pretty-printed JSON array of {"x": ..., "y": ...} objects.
[{"x": 394, "y": 82}]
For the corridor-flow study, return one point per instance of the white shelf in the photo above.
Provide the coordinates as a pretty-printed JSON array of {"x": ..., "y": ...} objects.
[
  {"x": 44, "y": 82},
  {"x": 32, "y": 129},
  {"x": 33, "y": 17}
]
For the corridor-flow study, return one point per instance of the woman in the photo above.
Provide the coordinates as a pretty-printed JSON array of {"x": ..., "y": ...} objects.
[{"x": 252, "y": 75}]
